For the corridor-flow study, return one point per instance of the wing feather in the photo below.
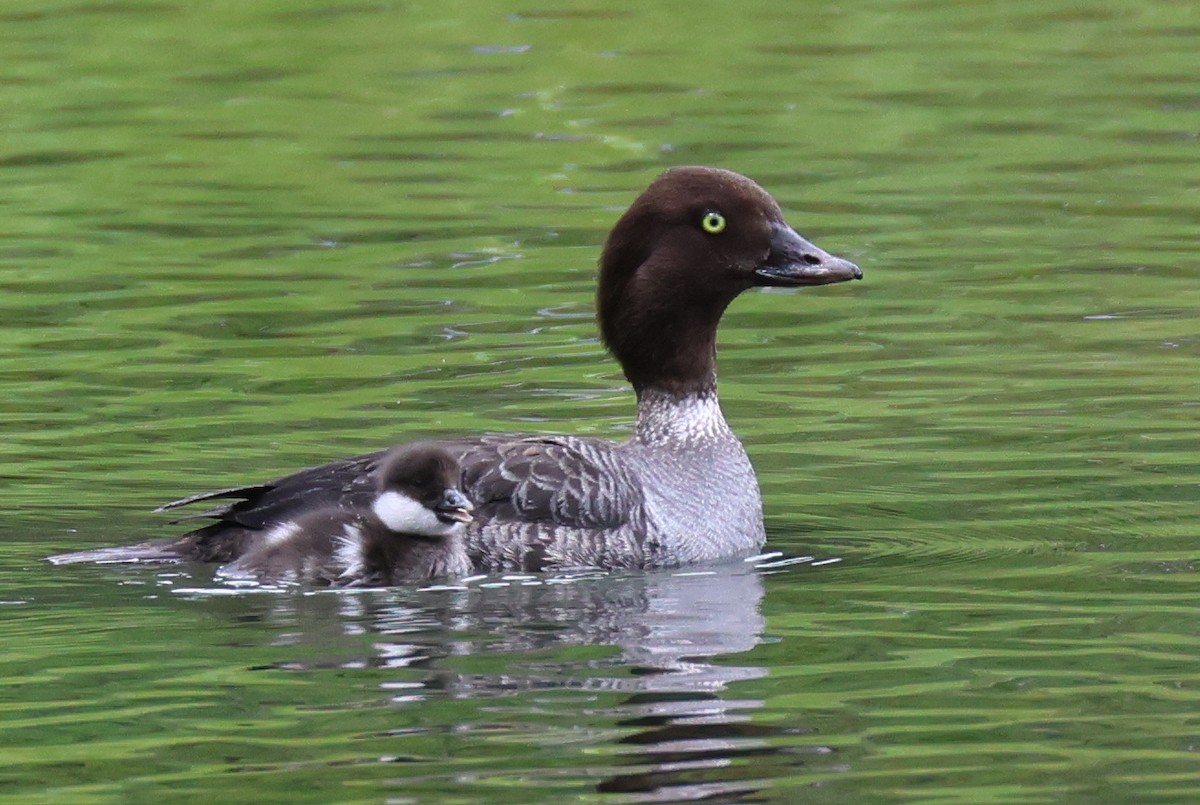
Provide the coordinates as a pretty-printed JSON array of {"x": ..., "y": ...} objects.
[{"x": 527, "y": 491}]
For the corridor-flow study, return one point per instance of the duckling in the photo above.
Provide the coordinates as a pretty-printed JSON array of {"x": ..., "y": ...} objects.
[{"x": 412, "y": 531}]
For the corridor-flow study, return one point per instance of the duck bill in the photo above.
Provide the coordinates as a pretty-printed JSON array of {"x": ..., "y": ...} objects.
[
  {"x": 454, "y": 507},
  {"x": 454, "y": 515},
  {"x": 794, "y": 262}
]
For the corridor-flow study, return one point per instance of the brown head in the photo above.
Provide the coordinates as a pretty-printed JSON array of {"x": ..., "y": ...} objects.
[{"x": 687, "y": 246}]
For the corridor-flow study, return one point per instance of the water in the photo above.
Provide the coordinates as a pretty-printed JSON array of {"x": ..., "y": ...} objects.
[{"x": 242, "y": 238}]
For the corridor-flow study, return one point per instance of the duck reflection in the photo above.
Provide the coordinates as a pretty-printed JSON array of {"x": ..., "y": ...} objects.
[{"x": 674, "y": 732}]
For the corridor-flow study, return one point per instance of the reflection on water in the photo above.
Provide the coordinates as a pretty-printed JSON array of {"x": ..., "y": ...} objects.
[{"x": 674, "y": 732}]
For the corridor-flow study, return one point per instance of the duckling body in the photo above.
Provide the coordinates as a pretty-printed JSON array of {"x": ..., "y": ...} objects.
[{"x": 412, "y": 532}]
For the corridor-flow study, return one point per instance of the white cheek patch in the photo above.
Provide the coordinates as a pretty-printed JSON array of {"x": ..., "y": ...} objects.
[{"x": 402, "y": 514}]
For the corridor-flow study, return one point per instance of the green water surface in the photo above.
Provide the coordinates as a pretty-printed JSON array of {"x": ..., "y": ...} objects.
[{"x": 238, "y": 238}]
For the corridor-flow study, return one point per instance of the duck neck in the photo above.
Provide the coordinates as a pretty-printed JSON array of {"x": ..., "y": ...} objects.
[
  {"x": 663, "y": 332},
  {"x": 674, "y": 365},
  {"x": 671, "y": 418}
]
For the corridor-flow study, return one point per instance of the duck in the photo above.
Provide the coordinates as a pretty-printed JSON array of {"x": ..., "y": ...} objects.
[
  {"x": 411, "y": 532},
  {"x": 681, "y": 491}
]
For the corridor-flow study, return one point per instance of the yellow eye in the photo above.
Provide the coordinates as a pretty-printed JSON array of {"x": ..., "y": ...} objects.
[{"x": 713, "y": 222}]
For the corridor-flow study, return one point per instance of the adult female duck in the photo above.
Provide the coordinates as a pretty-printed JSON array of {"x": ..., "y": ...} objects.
[{"x": 681, "y": 491}]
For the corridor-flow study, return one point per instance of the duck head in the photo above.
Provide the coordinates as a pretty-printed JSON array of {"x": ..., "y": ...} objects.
[
  {"x": 687, "y": 246},
  {"x": 419, "y": 491}
]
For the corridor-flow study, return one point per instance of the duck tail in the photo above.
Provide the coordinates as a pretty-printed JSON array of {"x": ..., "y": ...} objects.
[{"x": 158, "y": 551}]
